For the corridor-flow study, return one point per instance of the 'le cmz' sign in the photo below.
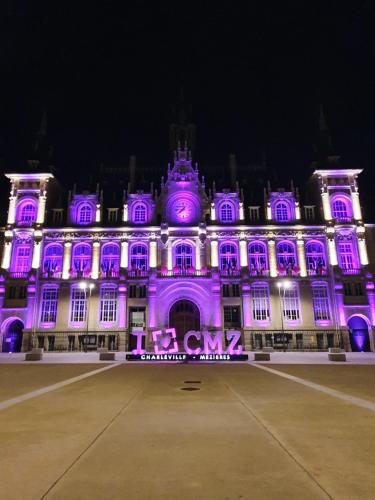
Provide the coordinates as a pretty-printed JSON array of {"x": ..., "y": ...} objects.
[{"x": 214, "y": 346}]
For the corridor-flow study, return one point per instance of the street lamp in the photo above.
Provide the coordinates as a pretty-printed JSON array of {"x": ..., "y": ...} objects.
[
  {"x": 84, "y": 286},
  {"x": 283, "y": 285}
]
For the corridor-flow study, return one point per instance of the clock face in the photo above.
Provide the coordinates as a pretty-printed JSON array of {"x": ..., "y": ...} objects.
[{"x": 183, "y": 210}]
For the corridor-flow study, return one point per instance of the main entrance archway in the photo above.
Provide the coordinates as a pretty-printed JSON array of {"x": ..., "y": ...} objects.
[
  {"x": 12, "y": 336},
  {"x": 184, "y": 316},
  {"x": 359, "y": 336}
]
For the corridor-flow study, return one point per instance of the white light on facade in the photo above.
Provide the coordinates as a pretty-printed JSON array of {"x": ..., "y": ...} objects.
[
  {"x": 326, "y": 207},
  {"x": 125, "y": 217},
  {"x": 124, "y": 262},
  {"x": 66, "y": 262},
  {"x": 214, "y": 253},
  {"x": 97, "y": 213},
  {"x": 12, "y": 210},
  {"x": 41, "y": 208},
  {"x": 213, "y": 211},
  {"x": 242, "y": 213},
  {"x": 272, "y": 258},
  {"x": 95, "y": 260},
  {"x": 363, "y": 256},
  {"x": 357, "y": 212},
  {"x": 301, "y": 258},
  {"x": 269, "y": 212},
  {"x": 6, "y": 255},
  {"x": 197, "y": 254},
  {"x": 332, "y": 252},
  {"x": 36, "y": 255},
  {"x": 243, "y": 253},
  {"x": 153, "y": 254},
  {"x": 298, "y": 211}
]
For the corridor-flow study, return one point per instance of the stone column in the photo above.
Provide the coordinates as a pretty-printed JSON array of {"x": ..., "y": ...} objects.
[
  {"x": 243, "y": 253},
  {"x": 12, "y": 209},
  {"x": 95, "y": 260},
  {"x": 153, "y": 254},
  {"x": 301, "y": 258},
  {"x": 214, "y": 253},
  {"x": 122, "y": 316},
  {"x": 7, "y": 254},
  {"x": 36, "y": 254},
  {"x": 169, "y": 256},
  {"x": 67, "y": 259},
  {"x": 272, "y": 258},
  {"x": 124, "y": 260},
  {"x": 41, "y": 208},
  {"x": 198, "y": 254}
]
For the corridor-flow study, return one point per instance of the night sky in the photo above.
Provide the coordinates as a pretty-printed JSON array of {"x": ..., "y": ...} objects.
[{"x": 110, "y": 74}]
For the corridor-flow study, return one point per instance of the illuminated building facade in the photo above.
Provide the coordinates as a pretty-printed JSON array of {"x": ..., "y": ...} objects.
[{"x": 285, "y": 273}]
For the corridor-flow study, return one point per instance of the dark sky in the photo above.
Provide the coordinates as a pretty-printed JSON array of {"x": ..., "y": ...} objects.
[{"x": 109, "y": 74}]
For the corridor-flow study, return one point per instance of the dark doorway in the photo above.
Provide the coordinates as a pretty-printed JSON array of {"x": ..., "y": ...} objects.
[
  {"x": 358, "y": 332},
  {"x": 184, "y": 316},
  {"x": 12, "y": 338}
]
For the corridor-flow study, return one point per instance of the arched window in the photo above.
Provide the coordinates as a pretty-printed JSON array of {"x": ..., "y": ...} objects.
[
  {"x": 110, "y": 259},
  {"x": 53, "y": 257},
  {"x": 315, "y": 258},
  {"x": 286, "y": 256},
  {"x": 258, "y": 258},
  {"x": 341, "y": 209},
  {"x": 85, "y": 214},
  {"x": 226, "y": 212},
  {"x": 82, "y": 259},
  {"x": 139, "y": 257},
  {"x": 140, "y": 212},
  {"x": 282, "y": 211},
  {"x": 183, "y": 256},
  {"x": 228, "y": 257},
  {"x": 27, "y": 212}
]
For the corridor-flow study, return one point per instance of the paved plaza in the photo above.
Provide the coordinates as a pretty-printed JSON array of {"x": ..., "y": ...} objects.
[{"x": 113, "y": 431}]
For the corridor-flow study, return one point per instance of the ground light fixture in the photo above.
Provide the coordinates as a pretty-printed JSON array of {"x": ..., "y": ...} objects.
[{"x": 83, "y": 285}]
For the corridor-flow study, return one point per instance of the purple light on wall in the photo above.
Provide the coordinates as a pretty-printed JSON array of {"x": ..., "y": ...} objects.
[{"x": 359, "y": 339}]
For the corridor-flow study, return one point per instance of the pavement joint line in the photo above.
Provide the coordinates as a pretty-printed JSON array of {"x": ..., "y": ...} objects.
[
  {"x": 363, "y": 403},
  {"x": 92, "y": 442},
  {"x": 272, "y": 434},
  {"x": 49, "y": 388}
]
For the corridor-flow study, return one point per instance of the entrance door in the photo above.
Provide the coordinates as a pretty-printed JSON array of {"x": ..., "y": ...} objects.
[
  {"x": 359, "y": 338},
  {"x": 184, "y": 316},
  {"x": 12, "y": 338}
]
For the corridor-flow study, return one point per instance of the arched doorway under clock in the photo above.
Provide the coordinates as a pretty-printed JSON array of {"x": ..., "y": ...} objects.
[{"x": 184, "y": 315}]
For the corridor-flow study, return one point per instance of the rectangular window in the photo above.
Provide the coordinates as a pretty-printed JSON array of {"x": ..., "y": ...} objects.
[
  {"x": 49, "y": 305},
  {"x": 225, "y": 290},
  {"x": 235, "y": 290},
  {"x": 321, "y": 303},
  {"x": 291, "y": 309},
  {"x": 309, "y": 212},
  {"x": 347, "y": 289},
  {"x": 254, "y": 213},
  {"x": 23, "y": 259},
  {"x": 108, "y": 305},
  {"x": 112, "y": 214},
  {"x": 232, "y": 316},
  {"x": 358, "y": 289},
  {"x": 78, "y": 306},
  {"x": 260, "y": 302},
  {"x": 57, "y": 215}
]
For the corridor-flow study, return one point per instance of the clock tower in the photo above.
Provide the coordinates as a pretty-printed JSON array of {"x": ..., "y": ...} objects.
[{"x": 184, "y": 201}]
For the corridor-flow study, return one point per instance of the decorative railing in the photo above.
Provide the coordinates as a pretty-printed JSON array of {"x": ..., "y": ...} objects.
[
  {"x": 164, "y": 273},
  {"x": 138, "y": 273},
  {"x": 76, "y": 341},
  {"x": 350, "y": 271},
  {"x": 292, "y": 340},
  {"x": 52, "y": 274},
  {"x": 259, "y": 272},
  {"x": 230, "y": 272},
  {"x": 18, "y": 275},
  {"x": 317, "y": 272}
]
